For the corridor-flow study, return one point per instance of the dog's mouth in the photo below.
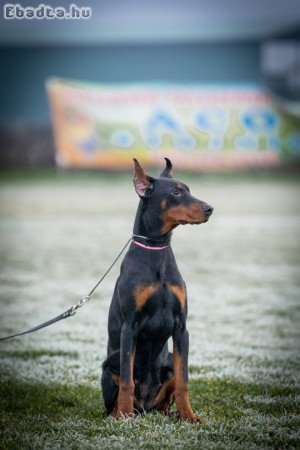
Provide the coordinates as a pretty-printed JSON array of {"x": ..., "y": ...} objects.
[
  {"x": 192, "y": 221},
  {"x": 173, "y": 217}
]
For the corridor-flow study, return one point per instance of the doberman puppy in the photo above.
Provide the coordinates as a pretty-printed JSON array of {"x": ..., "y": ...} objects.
[{"x": 149, "y": 305}]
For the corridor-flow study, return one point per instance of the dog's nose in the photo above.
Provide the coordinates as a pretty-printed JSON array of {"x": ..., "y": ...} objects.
[{"x": 207, "y": 209}]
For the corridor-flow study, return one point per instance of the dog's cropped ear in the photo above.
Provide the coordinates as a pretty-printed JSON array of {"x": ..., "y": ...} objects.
[
  {"x": 168, "y": 170},
  {"x": 142, "y": 182}
]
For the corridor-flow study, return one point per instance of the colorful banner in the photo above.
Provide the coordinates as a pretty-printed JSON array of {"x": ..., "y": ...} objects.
[{"x": 198, "y": 127}]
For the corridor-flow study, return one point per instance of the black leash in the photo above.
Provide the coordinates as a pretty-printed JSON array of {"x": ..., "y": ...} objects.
[{"x": 71, "y": 311}]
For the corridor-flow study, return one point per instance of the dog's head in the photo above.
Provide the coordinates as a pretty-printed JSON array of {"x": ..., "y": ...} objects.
[{"x": 170, "y": 199}]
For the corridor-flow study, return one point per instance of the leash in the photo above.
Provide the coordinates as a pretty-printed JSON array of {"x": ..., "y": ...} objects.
[{"x": 71, "y": 311}]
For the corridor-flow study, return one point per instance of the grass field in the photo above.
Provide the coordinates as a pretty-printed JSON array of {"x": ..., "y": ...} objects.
[{"x": 59, "y": 233}]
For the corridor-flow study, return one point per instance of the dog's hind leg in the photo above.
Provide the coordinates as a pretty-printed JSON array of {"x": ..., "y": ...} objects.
[
  {"x": 110, "y": 382},
  {"x": 165, "y": 396}
]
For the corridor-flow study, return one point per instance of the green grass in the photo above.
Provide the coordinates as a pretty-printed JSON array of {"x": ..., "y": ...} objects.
[{"x": 237, "y": 416}]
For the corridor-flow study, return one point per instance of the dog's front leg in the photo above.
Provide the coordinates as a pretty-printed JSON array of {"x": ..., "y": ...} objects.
[
  {"x": 180, "y": 365},
  {"x": 126, "y": 384}
]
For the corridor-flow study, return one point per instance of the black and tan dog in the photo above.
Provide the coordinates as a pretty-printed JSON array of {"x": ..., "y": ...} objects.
[{"x": 149, "y": 305}]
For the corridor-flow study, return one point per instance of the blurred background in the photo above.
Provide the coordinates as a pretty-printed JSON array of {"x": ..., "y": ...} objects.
[
  {"x": 237, "y": 48},
  {"x": 214, "y": 85}
]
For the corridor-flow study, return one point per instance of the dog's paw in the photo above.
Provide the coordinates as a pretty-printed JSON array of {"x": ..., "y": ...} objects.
[
  {"x": 197, "y": 419},
  {"x": 119, "y": 415},
  {"x": 191, "y": 418}
]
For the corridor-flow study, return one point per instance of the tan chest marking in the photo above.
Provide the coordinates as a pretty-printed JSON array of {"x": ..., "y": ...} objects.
[
  {"x": 180, "y": 293},
  {"x": 143, "y": 293}
]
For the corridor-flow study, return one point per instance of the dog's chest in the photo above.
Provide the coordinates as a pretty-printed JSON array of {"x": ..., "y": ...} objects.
[{"x": 159, "y": 311}]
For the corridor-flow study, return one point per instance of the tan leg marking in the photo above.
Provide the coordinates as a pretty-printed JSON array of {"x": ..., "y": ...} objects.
[
  {"x": 125, "y": 404},
  {"x": 182, "y": 400},
  {"x": 165, "y": 397}
]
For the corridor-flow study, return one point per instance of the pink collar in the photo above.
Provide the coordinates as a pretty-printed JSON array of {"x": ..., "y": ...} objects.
[{"x": 147, "y": 247}]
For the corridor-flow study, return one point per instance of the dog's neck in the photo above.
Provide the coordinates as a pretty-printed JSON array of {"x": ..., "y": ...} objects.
[{"x": 148, "y": 226}]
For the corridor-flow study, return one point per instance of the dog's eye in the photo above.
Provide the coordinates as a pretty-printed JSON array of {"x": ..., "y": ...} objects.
[{"x": 176, "y": 192}]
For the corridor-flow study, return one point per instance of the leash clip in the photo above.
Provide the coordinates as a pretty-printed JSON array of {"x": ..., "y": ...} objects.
[{"x": 78, "y": 305}]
